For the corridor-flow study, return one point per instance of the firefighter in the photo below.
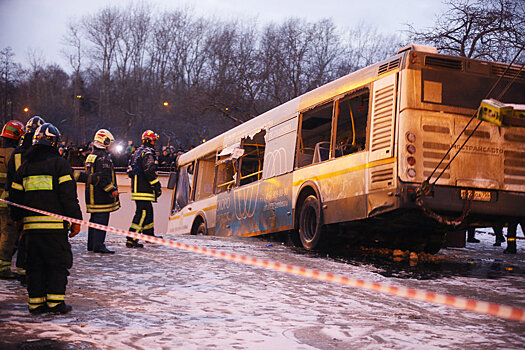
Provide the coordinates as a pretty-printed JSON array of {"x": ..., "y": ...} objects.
[
  {"x": 102, "y": 195},
  {"x": 11, "y": 133},
  {"x": 45, "y": 181},
  {"x": 14, "y": 163},
  {"x": 145, "y": 187}
]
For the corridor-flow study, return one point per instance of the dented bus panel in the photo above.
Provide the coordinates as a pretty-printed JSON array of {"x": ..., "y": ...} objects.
[{"x": 348, "y": 160}]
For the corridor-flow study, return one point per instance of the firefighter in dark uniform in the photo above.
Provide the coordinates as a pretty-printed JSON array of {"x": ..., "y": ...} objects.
[
  {"x": 26, "y": 141},
  {"x": 102, "y": 195},
  {"x": 45, "y": 181},
  {"x": 11, "y": 133},
  {"x": 145, "y": 187}
]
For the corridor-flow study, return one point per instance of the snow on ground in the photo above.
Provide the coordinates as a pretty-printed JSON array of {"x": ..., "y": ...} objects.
[{"x": 162, "y": 298}]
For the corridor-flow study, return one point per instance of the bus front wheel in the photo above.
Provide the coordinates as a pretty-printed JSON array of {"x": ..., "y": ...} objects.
[
  {"x": 310, "y": 223},
  {"x": 201, "y": 229}
]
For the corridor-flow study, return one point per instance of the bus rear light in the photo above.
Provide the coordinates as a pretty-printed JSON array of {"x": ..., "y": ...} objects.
[
  {"x": 411, "y": 137},
  {"x": 411, "y": 172},
  {"x": 411, "y": 149},
  {"x": 411, "y": 160}
]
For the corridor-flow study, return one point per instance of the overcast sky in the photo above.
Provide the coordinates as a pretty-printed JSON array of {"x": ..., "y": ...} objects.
[{"x": 40, "y": 25}]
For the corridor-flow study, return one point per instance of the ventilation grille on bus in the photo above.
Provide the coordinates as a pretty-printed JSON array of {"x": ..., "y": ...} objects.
[
  {"x": 499, "y": 69},
  {"x": 443, "y": 62},
  {"x": 433, "y": 152},
  {"x": 386, "y": 67},
  {"x": 385, "y": 176},
  {"x": 514, "y": 168},
  {"x": 382, "y": 118}
]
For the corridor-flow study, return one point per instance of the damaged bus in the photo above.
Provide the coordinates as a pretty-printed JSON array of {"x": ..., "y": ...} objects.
[{"x": 347, "y": 160}]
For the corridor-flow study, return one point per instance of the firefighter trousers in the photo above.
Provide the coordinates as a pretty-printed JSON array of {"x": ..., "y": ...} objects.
[
  {"x": 49, "y": 259},
  {"x": 96, "y": 237},
  {"x": 143, "y": 219},
  {"x": 8, "y": 240}
]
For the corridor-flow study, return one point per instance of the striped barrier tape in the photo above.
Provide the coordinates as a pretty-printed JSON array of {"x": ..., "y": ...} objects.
[{"x": 480, "y": 307}]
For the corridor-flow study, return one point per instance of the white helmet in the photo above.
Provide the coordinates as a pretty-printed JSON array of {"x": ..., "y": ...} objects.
[{"x": 103, "y": 139}]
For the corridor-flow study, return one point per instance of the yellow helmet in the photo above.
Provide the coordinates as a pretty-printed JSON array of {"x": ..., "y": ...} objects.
[{"x": 103, "y": 139}]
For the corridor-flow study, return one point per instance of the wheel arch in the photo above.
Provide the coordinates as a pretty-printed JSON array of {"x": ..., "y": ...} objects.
[
  {"x": 307, "y": 188},
  {"x": 199, "y": 218}
]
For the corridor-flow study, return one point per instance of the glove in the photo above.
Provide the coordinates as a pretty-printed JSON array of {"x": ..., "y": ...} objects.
[
  {"x": 158, "y": 191},
  {"x": 74, "y": 230}
]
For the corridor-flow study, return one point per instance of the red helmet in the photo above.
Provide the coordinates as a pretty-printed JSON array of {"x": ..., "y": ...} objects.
[
  {"x": 149, "y": 136},
  {"x": 13, "y": 129}
]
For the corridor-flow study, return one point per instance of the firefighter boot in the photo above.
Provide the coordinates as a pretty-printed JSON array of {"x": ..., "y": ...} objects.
[
  {"x": 39, "y": 310},
  {"x": 134, "y": 243},
  {"x": 61, "y": 308},
  {"x": 5, "y": 270}
]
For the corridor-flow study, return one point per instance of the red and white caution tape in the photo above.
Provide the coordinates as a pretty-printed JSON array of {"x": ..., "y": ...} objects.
[{"x": 480, "y": 307}]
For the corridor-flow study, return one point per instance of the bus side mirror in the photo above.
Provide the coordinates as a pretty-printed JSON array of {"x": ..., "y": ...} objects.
[{"x": 172, "y": 181}]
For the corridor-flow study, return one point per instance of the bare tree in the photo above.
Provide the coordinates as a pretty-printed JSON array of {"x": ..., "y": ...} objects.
[
  {"x": 103, "y": 30},
  {"x": 326, "y": 51},
  {"x": 9, "y": 75},
  {"x": 364, "y": 45},
  {"x": 483, "y": 29},
  {"x": 74, "y": 53}
]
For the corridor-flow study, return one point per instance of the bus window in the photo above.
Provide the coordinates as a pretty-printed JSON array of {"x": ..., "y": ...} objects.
[
  {"x": 205, "y": 175},
  {"x": 314, "y": 139},
  {"x": 251, "y": 162},
  {"x": 225, "y": 173},
  {"x": 352, "y": 121},
  {"x": 184, "y": 184}
]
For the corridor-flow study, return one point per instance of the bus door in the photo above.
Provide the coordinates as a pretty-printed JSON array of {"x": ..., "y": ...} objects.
[
  {"x": 277, "y": 185},
  {"x": 181, "y": 198}
]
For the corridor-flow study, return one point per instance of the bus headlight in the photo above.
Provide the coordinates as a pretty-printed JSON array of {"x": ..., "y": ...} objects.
[
  {"x": 411, "y": 172},
  {"x": 411, "y": 149},
  {"x": 411, "y": 137}
]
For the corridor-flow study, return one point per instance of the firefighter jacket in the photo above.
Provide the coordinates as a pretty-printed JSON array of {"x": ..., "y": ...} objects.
[
  {"x": 101, "y": 183},
  {"x": 17, "y": 157},
  {"x": 6, "y": 150},
  {"x": 142, "y": 169},
  {"x": 44, "y": 181}
]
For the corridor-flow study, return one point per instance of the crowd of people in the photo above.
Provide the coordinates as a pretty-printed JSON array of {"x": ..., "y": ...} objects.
[
  {"x": 37, "y": 177},
  {"x": 76, "y": 155}
]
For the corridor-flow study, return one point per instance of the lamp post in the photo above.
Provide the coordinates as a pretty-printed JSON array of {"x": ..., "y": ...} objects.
[{"x": 79, "y": 127}]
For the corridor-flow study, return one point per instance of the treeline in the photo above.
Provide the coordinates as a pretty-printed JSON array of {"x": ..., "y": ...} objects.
[
  {"x": 186, "y": 77},
  {"x": 189, "y": 77}
]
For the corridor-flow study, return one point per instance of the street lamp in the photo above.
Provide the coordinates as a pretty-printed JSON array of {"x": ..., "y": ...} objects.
[
  {"x": 165, "y": 103},
  {"x": 26, "y": 109}
]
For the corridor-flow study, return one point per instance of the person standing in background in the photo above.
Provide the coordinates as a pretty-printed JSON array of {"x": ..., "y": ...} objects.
[
  {"x": 102, "y": 195},
  {"x": 11, "y": 133},
  {"x": 145, "y": 187}
]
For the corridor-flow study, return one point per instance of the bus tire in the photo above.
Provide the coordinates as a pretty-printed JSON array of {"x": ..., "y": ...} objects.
[
  {"x": 310, "y": 223},
  {"x": 201, "y": 229}
]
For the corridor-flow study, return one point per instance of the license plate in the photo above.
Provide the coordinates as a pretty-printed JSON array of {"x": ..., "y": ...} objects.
[{"x": 483, "y": 196}]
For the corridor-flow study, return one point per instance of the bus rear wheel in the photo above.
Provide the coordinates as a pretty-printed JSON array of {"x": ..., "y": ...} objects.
[{"x": 310, "y": 223}]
